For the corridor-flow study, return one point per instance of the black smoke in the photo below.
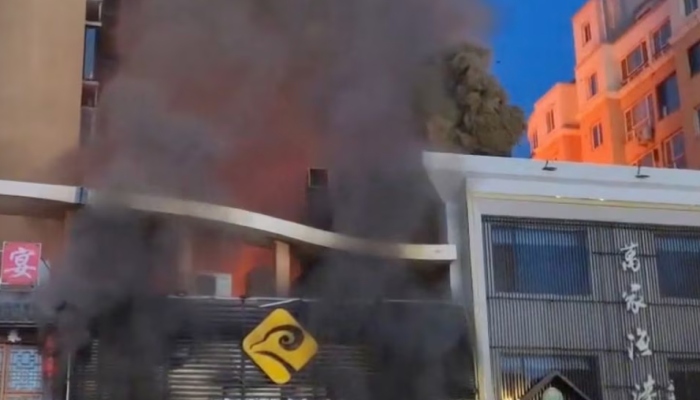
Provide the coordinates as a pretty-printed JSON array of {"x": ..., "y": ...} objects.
[{"x": 195, "y": 83}]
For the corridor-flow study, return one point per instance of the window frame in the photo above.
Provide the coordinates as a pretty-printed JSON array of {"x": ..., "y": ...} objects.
[
  {"x": 693, "y": 62},
  {"x": 597, "y": 137},
  {"x": 627, "y": 73},
  {"x": 549, "y": 120},
  {"x": 667, "y": 292},
  {"x": 592, "y": 85},
  {"x": 670, "y": 157},
  {"x": 648, "y": 155},
  {"x": 630, "y": 129},
  {"x": 91, "y": 39},
  {"x": 586, "y": 33},
  {"x": 575, "y": 234},
  {"x": 659, "y": 107},
  {"x": 690, "y": 6},
  {"x": 656, "y": 52},
  {"x": 535, "y": 140}
]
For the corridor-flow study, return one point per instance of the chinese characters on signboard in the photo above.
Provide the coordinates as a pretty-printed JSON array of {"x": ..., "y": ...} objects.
[
  {"x": 20, "y": 263},
  {"x": 639, "y": 340}
]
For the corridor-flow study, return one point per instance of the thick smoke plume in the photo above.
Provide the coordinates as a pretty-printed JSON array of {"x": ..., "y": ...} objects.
[{"x": 229, "y": 101}]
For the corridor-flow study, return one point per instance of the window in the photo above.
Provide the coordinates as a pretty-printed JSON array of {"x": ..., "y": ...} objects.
[
  {"x": 667, "y": 97},
  {"x": 89, "y": 54},
  {"x": 697, "y": 121},
  {"x": 317, "y": 178},
  {"x": 586, "y": 33},
  {"x": 535, "y": 140},
  {"x": 540, "y": 261},
  {"x": 660, "y": 39},
  {"x": 638, "y": 116},
  {"x": 647, "y": 161},
  {"x": 690, "y": 6},
  {"x": 22, "y": 374},
  {"x": 635, "y": 61},
  {"x": 520, "y": 372},
  {"x": 592, "y": 85},
  {"x": 674, "y": 151},
  {"x": 597, "y": 135},
  {"x": 550, "y": 121},
  {"x": 685, "y": 375},
  {"x": 678, "y": 266},
  {"x": 694, "y": 58}
]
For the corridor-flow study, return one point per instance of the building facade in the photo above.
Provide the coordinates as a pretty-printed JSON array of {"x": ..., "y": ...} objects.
[
  {"x": 583, "y": 273},
  {"x": 632, "y": 101}
]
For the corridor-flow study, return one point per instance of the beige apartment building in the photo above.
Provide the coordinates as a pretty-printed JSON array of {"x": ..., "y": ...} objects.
[{"x": 633, "y": 100}]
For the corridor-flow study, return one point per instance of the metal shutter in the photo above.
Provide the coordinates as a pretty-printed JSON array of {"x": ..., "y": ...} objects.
[{"x": 207, "y": 362}]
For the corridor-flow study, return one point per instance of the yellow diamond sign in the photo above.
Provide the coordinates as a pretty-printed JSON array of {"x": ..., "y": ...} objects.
[{"x": 280, "y": 346}]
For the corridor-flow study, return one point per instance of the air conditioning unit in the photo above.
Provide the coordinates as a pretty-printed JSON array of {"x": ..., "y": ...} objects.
[
  {"x": 645, "y": 133},
  {"x": 213, "y": 284}
]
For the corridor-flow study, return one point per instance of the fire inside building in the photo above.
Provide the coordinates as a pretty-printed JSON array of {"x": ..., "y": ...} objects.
[{"x": 564, "y": 281}]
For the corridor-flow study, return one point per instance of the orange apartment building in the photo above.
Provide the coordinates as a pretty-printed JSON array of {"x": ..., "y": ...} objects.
[{"x": 635, "y": 97}]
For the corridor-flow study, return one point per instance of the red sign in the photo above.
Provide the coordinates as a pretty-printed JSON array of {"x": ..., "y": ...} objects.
[{"x": 20, "y": 263}]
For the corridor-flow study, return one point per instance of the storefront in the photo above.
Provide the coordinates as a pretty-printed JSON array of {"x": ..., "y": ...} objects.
[{"x": 209, "y": 360}]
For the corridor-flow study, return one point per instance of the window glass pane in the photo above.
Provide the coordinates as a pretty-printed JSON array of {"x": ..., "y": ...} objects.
[
  {"x": 668, "y": 96},
  {"x": 678, "y": 145},
  {"x": 662, "y": 36},
  {"x": 678, "y": 266},
  {"x": 90, "y": 54},
  {"x": 694, "y": 58},
  {"x": 24, "y": 370},
  {"x": 540, "y": 261}
]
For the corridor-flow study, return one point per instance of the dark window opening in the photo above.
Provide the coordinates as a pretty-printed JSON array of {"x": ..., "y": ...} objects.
[
  {"x": 685, "y": 375},
  {"x": 678, "y": 265},
  {"x": 694, "y": 58},
  {"x": 318, "y": 178},
  {"x": 668, "y": 99},
  {"x": 661, "y": 39},
  {"x": 540, "y": 260},
  {"x": 674, "y": 152}
]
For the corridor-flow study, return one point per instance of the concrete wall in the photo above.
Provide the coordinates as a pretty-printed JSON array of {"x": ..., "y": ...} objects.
[{"x": 41, "y": 42}]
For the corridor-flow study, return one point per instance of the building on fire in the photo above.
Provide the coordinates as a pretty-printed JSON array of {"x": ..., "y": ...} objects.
[{"x": 566, "y": 280}]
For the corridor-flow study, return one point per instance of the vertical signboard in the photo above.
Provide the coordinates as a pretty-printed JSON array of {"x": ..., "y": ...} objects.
[{"x": 20, "y": 263}]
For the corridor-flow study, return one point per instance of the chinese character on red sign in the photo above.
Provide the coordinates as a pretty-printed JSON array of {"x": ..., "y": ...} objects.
[{"x": 20, "y": 263}]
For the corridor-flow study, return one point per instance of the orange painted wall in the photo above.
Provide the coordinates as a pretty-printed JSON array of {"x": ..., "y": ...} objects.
[
  {"x": 690, "y": 96},
  {"x": 606, "y": 113},
  {"x": 663, "y": 127}
]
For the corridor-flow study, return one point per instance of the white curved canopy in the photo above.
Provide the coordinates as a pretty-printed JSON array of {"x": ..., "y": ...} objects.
[{"x": 42, "y": 200}]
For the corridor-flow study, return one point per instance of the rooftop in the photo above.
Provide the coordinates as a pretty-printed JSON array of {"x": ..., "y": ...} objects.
[{"x": 562, "y": 181}]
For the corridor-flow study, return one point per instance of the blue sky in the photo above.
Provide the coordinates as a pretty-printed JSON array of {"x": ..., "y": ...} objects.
[{"x": 533, "y": 48}]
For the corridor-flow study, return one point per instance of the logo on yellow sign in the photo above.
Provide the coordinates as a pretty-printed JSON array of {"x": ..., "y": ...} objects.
[{"x": 280, "y": 346}]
